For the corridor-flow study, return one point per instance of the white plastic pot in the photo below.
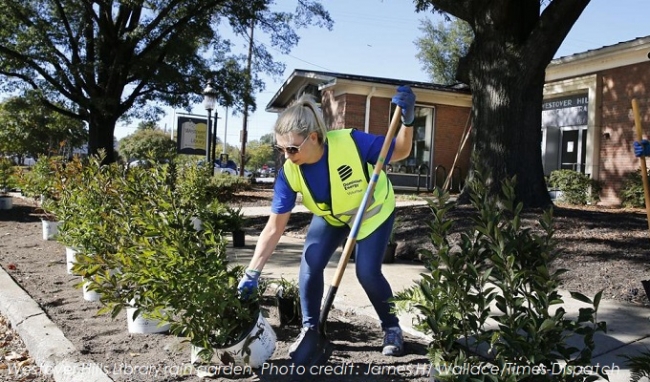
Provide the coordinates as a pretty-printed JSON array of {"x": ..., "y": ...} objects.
[
  {"x": 70, "y": 254},
  {"x": 144, "y": 325},
  {"x": 253, "y": 349},
  {"x": 90, "y": 295},
  {"x": 50, "y": 229}
]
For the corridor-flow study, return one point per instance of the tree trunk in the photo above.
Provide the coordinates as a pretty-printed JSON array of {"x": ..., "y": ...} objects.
[
  {"x": 507, "y": 136},
  {"x": 100, "y": 136}
]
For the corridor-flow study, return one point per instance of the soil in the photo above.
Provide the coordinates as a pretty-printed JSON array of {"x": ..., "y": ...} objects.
[{"x": 606, "y": 249}]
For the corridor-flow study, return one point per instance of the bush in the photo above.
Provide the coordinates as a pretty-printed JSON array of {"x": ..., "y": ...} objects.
[
  {"x": 492, "y": 298},
  {"x": 631, "y": 193},
  {"x": 577, "y": 188},
  {"x": 7, "y": 175},
  {"x": 155, "y": 145}
]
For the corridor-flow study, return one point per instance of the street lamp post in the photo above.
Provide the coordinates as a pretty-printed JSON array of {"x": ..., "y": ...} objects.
[
  {"x": 214, "y": 136},
  {"x": 209, "y": 101}
]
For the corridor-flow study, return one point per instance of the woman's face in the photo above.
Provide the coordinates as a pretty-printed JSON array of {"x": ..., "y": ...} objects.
[{"x": 297, "y": 149}]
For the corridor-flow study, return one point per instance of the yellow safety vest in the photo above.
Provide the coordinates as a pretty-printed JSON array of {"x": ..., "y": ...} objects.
[{"x": 348, "y": 184}]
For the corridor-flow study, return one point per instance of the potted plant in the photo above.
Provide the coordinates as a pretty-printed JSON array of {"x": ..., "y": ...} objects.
[
  {"x": 235, "y": 224},
  {"x": 6, "y": 182},
  {"x": 287, "y": 299},
  {"x": 170, "y": 272},
  {"x": 44, "y": 182}
]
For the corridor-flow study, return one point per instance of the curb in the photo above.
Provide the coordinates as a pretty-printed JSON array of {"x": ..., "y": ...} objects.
[{"x": 47, "y": 345}]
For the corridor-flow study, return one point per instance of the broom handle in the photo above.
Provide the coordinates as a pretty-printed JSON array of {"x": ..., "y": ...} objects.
[{"x": 644, "y": 169}]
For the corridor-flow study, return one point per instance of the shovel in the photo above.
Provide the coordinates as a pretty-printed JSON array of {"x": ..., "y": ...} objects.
[{"x": 315, "y": 348}]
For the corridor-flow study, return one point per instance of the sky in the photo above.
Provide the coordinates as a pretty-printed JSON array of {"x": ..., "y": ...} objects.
[{"x": 377, "y": 38}]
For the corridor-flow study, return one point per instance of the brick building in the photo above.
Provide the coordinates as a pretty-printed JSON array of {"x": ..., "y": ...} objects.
[
  {"x": 361, "y": 102},
  {"x": 587, "y": 119}
]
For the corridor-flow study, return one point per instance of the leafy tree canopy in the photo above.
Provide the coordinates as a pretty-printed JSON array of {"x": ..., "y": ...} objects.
[
  {"x": 441, "y": 46},
  {"x": 147, "y": 144},
  {"x": 102, "y": 60},
  {"x": 31, "y": 129}
]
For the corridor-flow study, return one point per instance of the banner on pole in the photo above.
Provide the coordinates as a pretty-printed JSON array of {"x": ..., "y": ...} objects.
[{"x": 191, "y": 134}]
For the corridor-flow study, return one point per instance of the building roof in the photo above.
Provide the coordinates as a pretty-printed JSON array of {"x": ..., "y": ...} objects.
[
  {"x": 594, "y": 60},
  {"x": 300, "y": 79},
  {"x": 575, "y": 65}
]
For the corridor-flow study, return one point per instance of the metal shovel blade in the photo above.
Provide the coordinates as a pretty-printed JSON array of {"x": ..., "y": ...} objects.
[{"x": 313, "y": 349}]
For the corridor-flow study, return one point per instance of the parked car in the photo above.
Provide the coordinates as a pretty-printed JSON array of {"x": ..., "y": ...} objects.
[
  {"x": 267, "y": 172},
  {"x": 230, "y": 171},
  {"x": 225, "y": 170}
]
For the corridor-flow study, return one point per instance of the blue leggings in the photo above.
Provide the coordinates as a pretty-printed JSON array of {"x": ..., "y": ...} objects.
[{"x": 321, "y": 243}]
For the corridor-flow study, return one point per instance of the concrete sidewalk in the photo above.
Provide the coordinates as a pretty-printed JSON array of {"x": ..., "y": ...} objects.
[{"x": 628, "y": 326}]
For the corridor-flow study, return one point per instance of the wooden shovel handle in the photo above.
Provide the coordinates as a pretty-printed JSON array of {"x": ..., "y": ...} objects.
[{"x": 352, "y": 238}]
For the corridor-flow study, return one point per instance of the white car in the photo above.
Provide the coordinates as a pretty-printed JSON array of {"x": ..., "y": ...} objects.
[{"x": 229, "y": 171}]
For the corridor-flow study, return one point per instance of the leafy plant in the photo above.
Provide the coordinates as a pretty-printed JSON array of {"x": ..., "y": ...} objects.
[
  {"x": 38, "y": 181},
  {"x": 287, "y": 295},
  {"x": 286, "y": 288},
  {"x": 631, "y": 192},
  {"x": 234, "y": 219},
  {"x": 7, "y": 180},
  {"x": 143, "y": 251},
  {"x": 577, "y": 188},
  {"x": 639, "y": 365},
  {"x": 491, "y": 296}
]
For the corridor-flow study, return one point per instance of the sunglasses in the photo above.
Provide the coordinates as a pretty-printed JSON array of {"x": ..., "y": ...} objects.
[{"x": 291, "y": 149}]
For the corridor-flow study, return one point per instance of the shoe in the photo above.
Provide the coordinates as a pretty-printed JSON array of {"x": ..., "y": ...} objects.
[
  {"x": 393, "y": 342},
  {"x": 303, "y": 332}
]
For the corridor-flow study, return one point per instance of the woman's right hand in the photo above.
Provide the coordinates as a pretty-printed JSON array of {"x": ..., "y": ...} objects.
[{"x": 248, "y": 283}]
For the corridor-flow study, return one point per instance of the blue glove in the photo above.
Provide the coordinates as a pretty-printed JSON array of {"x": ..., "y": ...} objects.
[
  {"x": 406, "y": 100},
  {"x": 642, "y": 149},
  {"x": 248, "y": 283}
]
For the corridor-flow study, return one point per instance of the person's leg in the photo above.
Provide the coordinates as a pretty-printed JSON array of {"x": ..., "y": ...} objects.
[
  {"x": 369, "y": 257},
  {"x": 321, "y": 242}
]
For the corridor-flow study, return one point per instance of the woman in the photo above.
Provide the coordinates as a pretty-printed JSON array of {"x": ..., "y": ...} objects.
[{"x": 323, "y": 167}]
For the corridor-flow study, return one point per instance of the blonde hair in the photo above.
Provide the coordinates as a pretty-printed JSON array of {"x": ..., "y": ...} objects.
[{"x": 302, "y": 117}]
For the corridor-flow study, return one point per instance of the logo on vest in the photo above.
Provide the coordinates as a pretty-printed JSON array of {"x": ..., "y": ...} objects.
[{"x": 345, "y": 172}]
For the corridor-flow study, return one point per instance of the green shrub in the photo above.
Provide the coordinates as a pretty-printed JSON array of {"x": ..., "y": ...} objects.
[
  {"x": 639, "y": 365},
  {"x": 577, "y": 188},
  {"x": 137, "y": 247},
  {"x": 631, "y": 193},
  {"x": 491, "y": 296},
  {"x": 7, "y": 175}
]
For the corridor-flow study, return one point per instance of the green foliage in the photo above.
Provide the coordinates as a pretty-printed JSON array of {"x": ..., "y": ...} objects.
[
  {"x": 260, "y": 154},
  {"x": 136, "y": 246},
  {"x": 31, "y": 129},
  {"x": 147, "y": 144},
  {"x": 577, "y": 188},
  {"x": 7, "y": 175},
  {"x": 166, "y": 51},
  {"x": 639, "y": 365},
  {"x": 286, "y": 288},
  {"x": 491, "y": 295},
  {"x": 48, "y": 180},
  {"x": 442, "y": 46},
  {"x": 631, "y": 192}
]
